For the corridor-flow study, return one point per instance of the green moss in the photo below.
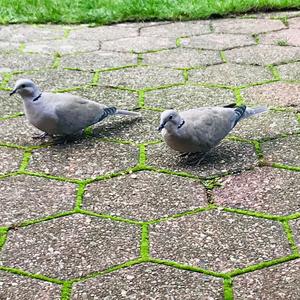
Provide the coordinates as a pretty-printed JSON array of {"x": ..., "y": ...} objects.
[
  {"x": 26, "y": 160},
  {"x": 12, "y": 116},
  {"x": 282, "y": 43},
  {"x": 223, "y": 57},
  {"x": 274, "y": 72},
  {"x": 142, "y": 155},
  {"x": 145, "y": 247},
  {"x": 210, "y": 184},
  {"x": 238, "y": 96},
  {"x": 185, "y": 75},
  {"x": 289, "y": 234},
  {"x": 79, "y": 195},
  {"x": 228, "y": 289},
  {"x": 141, "y": 101},
  {"x": 66, "y": 290},
  {"x": 256, "y": 38},
  {"x": 56, "y": 62},
  {"x": 3, "y": 236}
]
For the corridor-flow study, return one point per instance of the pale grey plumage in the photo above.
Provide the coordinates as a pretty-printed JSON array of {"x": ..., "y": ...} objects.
[
  {"x": 61, "y": 114},
  {"x": 201, "y": 129}
]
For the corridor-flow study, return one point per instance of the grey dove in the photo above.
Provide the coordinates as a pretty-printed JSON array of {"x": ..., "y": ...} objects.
[
  {"x": 199, "y": 130},
  {"x": 61, "y": 114}
]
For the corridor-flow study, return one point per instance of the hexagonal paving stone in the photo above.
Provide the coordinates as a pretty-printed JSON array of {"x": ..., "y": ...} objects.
[
  {"x": 10, "y": 159},
  {"x": 230, "y": 74},
  {"x": 266, "y": 190},
  {"x": 290, "y": 71},
  {"x": 182, "y": 58},
  {"x": 136, "y": 129},
  {"x": 51, "y": 80},
  {"x": 296, "y": 230},
  {"x": 83, "y": 159},
  {"x": 25, "y": 288},
  {"x": 9, "y": 105},
  {"x": 278, "y": 282},
  {"x": 285, "y": 150},
  {"x": 40, "y": 197},
  {"x": 187, "y": 97},
  {"x": 263, "y": 55},
  {"x": 139, "y": 44},
  {"x": 294, "y": 22},
  {"x": 150, "y": 281},
  {"x": 98, "y": 60},
  {"x": 177, "y": 29},
  {"x": 28, "y": 33},
  {"x": 144, "y": 196},
  {"x": 71, "y": 246},
  {"x": 109, "y": 96},
  {"x": 218, "y": 241},
  {"x": 282, "y": 38},
  {"x": 267, "y": 125},
  {"x": 273, "y": 94},
  {"x": 62, "y": 46},
  {"x": 24, "y": 61},
  {"x": 141, "y": 77},
  {"x": 249, "y": 26},
  {"x": 227, "y": 157},
  {"x": 217, "y": 41},
  {"x": 102, "y": 33}
]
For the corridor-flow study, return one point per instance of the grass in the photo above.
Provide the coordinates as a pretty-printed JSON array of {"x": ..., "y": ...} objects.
[{"x": 108, "y": 11}]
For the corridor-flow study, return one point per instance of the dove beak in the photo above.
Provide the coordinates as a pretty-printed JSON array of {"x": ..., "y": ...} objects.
[
  {"x": 12, "y": 92},
  {"x": 161, "y": 126}
]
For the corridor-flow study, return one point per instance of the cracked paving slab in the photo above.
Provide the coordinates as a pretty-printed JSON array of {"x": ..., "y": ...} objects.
[
  {"x": 10, "y": 159},
  {"x": 277, "y": 282},
  {"x": 24, "y": 288},
  {"x": 71, "y": 246},
  {"x": 39, "y": 197},
  {"x": 141, "y": 77},
  {"x": 267, "y": 190},
  {"x": 150, "y": 281},
  {"x": 218, "y": 241},
  {"x": 286, "y": 37},
  {"x": 146, "y": 196},
  {"x": 230, "y": 75},
  {"x": 84, "y": 159},
  {"x": 182, "y": 58},
  {"x": 227, "y": 157},
  {"x": 284, "y": 150},
  {"x": 188, "y": 97}
]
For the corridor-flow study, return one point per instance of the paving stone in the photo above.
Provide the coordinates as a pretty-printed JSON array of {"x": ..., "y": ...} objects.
[
  {"x": 9, "y": 105},
  {"x": 72, "y": 246},
  {"x": 182, "y": 58},
  {"x": 40, "y": 197},
  {"x": 248, "y": 26},
  {"x": 274, "y": 14},
  {"x": 62, "y": 46},
  {"x": 282, "y": 38},
  {"x": 295, "y": 224},
  {"x": 141, "y": 77},
  {"x": 263, "y": 55},
  {"x": 24, "y": 62},
  {"x": 267, "y": 125},
  {"x": 277, "y": 282},
  {"x": 218, "y": 241},
  {"x": 98, "y": 60},
  {"x": 273, "y": 94},
  {"x": 227, "y": 157},
  {"x": 102, "y": 33},
  {"x": 10, "y": 159},
  {"x": 187, "y": 97},
  {"x": 217, "y": 41},
  {"x": 136, "y": 129},
  {"x": 8, "y": 46},
  {"x": 290, "y": 71},
  {"x": 109, "y": 96},
  {"x": 83, "y": 159},
  {"x": 230, "y": 74},
  {"x": 150, "y": 281},
  {"x": 294, "y": 22},
  {"x": 177, "y": 29},
  {"x": 266, "y": 190},
  {"x": 139, "y": 44},
  {"x": 109, "y": 197},
  {"x": 285, "y": 150},
  {"x": 24, "y": 288},
  {"x": 52, "y": 80},
  {"x": 29, "y": 33}
]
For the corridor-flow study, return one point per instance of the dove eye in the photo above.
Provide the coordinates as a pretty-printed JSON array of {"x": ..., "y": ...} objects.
[
  {"x": 23, "y": 86},
  {"x": 170, "y": 117}
]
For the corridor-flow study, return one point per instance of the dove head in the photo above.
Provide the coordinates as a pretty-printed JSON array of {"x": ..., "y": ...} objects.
[
  {"x": 170, "y": 119},
  {"x": 25, "y": 88}
]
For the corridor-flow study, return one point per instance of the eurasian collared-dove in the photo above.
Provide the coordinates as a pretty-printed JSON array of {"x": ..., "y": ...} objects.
[
  {"x": 61, "y": 114},
  {"x": 197, "y": 131}
]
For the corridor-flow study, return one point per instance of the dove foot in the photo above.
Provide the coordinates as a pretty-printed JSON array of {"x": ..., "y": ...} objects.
[{"x": 40, "y": 136}]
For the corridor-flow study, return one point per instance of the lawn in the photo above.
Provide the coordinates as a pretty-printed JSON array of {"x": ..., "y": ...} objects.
[{"x": 112, "y": 11}]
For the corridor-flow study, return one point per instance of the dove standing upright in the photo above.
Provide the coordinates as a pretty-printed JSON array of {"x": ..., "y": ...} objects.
[
  {"x": 61, "y": 114},
  {"x": 197, "y": 131}
]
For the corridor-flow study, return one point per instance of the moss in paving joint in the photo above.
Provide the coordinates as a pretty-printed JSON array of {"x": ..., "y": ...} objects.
[
  {"x": 293, "y": 216},
  {"x": 283, "y": 19},
  {"x": 71, "y": 89},
  {"x": 150, "y": 108},
  {"x": 142, "y": 155},
  {"x": 79, "y": 195},
  {"x": 21, "y": 47},
  {"x": 238, "y": 96},
  {"x": 121, "y": 68},
  {"x": 67, "y": 32},
  {"x": 140, "y": 59},
  {"x": 3, "y": 236},
  {"x": 228, "y": 289},
  {"x": 66, "y": 290},
  {"x": 121, "y": 88},
  {"x": 8, "y": 145},
  {"x": 262, "y": 265},
  {"x": 141, "y": 99},
  {"x": 13, "y": 116},
  {"x": 182, "y": 174},
  {"x": 145, "y": 243},
  {"x": 222, "y": 56},
  {"x": 211, "y": 184},
  {"x": 289, "y": 234},
  {"x": 26, "y": 159},
  {"x": 5, "y": 79},
  {"x": 57, "y": 59},
  {"x": 274, "y": 72},
  {"x": 88, "y": 132},
  {"x": 258, "y": 150},
  {"x": 31, "y": 275},
  {"x": 258, "y": 83},
  {"x": 185, "y": 74},
  {"x": 282, "y": 43},
  {"x": 285, "y": 167},
  {"x": 161, "y": 87},
  {"x": 256, "y": 38},
  {"x": 96, "y": 78}
]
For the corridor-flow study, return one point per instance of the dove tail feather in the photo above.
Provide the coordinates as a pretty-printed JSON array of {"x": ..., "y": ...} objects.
[
  {"x": 127, "y": 113},
  {"x": 239, "y": 113},
  {"x": 254, "y": 111}
]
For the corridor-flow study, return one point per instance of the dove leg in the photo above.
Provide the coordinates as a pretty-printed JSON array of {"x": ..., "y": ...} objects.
[
  {"x": 40, "y": 136},
  {"x": 184, "y": 154}
]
